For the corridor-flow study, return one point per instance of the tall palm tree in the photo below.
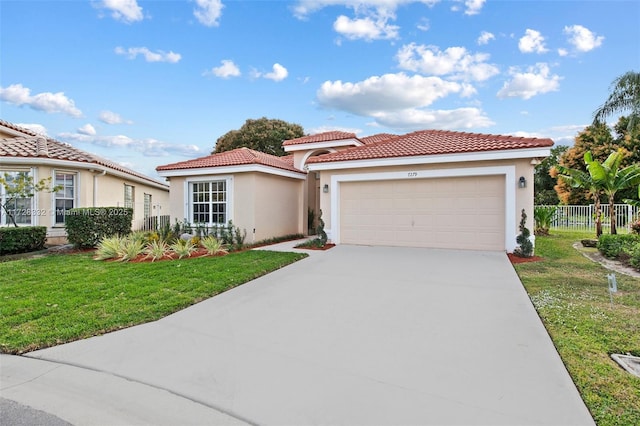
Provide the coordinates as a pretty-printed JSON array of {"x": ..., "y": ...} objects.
[
  {"x": 624, "y": 96},
  {"x": 577, "y": 178},
  {"x": 611, "y": 178}
]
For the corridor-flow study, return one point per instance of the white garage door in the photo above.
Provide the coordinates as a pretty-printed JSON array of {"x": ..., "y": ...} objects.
[{"x": 461, "y": 213}]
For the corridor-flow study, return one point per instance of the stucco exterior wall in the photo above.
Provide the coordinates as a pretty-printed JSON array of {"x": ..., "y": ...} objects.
[
  {"x": 521, "y": 167},
  {"x": 264, "y": 205},
  {"x": 101, "y": 191},
  {"x": 278, "y": 203}
]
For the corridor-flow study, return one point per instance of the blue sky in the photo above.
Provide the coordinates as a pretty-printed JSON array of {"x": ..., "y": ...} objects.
[{"x": 146, "y": 83}]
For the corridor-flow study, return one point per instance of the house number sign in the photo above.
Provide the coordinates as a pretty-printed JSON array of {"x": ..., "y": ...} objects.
[{"x": 412, "y": 174}]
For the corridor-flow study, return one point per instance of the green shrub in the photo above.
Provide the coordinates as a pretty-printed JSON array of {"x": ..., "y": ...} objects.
[
  {"x": 183, "y": 248},
  {"x": 110, "y": 248},
  {"x": 612, "y": 246},
  {"x": 634, "y": 255},
  {"x": 526, "y": 246},
  {"x": 543, "y": 217},
  {"x": 322, "y": 236},
  {"x": 22, "y": 239},
  {"x": 213, "y": 246},
  {"x": 131, "y": 248},
  {"x": 87, "y": 226},
  {"x": 156, "y": 249}
]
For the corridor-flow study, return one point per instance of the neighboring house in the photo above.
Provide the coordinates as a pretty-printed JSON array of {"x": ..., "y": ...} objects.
[
  {"x": 86, "y": 181},
  {"x": 428, "y": 188}
]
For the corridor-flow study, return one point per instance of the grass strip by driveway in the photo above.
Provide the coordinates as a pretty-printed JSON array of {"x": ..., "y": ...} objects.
[
  {"x": 61, "y": 298},
  {"x": 571, "y": 296}
]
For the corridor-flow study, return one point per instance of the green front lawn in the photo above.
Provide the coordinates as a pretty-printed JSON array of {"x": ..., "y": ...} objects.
[
  {"x": 61, "y": 298},
  {"x": 571, "y": 296}
]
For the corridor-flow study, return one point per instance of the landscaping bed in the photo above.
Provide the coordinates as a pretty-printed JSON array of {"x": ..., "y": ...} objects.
[{"x": 587, "y": 324}]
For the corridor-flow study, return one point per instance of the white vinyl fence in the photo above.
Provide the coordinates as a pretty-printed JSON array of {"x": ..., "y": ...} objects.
[{"x": 584, "y": 217}]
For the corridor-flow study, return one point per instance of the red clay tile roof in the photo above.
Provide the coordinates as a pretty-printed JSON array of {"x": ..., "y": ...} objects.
[
  {"x": 18, "y": 128},
  {"x": 321, "y": 137},
  {"x": 377, "y": 138},
  {"x": 236, "y": 157},
  {"x": 42, "y": 147},
  {"x": 432, "y": 142}
]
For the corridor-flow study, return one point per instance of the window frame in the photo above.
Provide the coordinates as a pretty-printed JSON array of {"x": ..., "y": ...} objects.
[
  {"x": 228, "y": 199},
  {"x": 148, "y": 205},
  {"x": 131, "y": 204},
  {"x": 32, "y": 201},
  {"x": 56, "y": 195}
]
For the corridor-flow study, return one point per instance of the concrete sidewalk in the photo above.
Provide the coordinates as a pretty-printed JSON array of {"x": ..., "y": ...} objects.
[{"x": 353, "y": 335}]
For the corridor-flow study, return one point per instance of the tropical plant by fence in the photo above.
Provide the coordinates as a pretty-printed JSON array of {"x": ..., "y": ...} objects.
[{"x": 582, "y": 218}]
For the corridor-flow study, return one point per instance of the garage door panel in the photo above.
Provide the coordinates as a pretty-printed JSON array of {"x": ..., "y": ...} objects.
[{"x": 465, "y": 212}]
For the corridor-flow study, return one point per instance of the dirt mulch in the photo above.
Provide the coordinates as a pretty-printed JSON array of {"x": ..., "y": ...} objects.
[
  {"x": 517, "y": 259},
  {"x": 324, "y": 247}
]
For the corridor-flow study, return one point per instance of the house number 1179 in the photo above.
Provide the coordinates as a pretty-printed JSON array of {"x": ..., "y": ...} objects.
[{"x": 412, "y": 174}]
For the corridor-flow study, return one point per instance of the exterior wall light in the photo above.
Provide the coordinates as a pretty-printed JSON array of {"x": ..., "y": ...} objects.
[
  {"x": 522, "y": 182},
  {"x": 325, "y": 188}
]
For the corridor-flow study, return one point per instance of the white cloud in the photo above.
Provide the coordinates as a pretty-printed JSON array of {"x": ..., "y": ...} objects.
[
  {"x": 208, "y": 12},
  {"x": 525, "y": 85},
  {"x": 415, "y": 119},
  {"x": 124, "y": 10},
  {"x": 424, "y": 24},
  {"x": 19, "y": 95},
  {"x": 485, "y": 37},
  {"x": 455, "y": 62},
  {"x": 279, "y": 73},
  {"x": 303, "y": 8},
  {"x": 111, "y": 117},
  {"x": 582, "y": 39},
  {"x": 148, "y": 147},
  {"x": 365, "y": 28},
  {"x": 562, "y": 52},
  {"x": 531, "y": 42},
  {"x": 149, "y": 56},
  {"x": 472, "y": 7},
  {"x": 226, "y": 70},
  {"x": 38, "y": 128},
  {"x": 371, "y": 20},
  {"x": 87, "y": 129},
  {"x": 390, "y": 92}
]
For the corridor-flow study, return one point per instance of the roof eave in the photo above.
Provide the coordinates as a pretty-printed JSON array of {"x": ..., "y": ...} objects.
[
  {"x": 84, "y": 165},
  {"x": 510, "y": 154},
  {"x": 242, "y": 168}
]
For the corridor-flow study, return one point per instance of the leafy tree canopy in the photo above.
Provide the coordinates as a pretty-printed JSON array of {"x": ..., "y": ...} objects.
[
  {"x": 544, "y": 183},
  {"x": 601, "y": 142},
  {"x": 264, "y": 134}
]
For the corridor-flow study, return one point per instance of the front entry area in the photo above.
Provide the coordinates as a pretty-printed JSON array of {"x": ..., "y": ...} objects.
[{"x": 449, "y": 212}]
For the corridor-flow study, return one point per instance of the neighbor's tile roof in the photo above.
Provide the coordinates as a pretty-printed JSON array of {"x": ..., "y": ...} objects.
[
  {"x": 321, "y": 137},
  {"x": 41, "y": 147},
  {"x": 432, "y": 142},
  {"x": 17, "y": 128},
  {"x": 236, "y": 157}
]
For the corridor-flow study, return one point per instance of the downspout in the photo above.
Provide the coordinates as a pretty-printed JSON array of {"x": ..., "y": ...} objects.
[{"x": 95, "y": 186}]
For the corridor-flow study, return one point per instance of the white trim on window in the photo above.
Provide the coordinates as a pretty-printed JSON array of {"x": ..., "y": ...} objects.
[
  {"x": 509, "y": 173},
  {"x": 54, "y": 195},
  {"x": 32, "y": 206},
  {"x": 188, "y": 213}
]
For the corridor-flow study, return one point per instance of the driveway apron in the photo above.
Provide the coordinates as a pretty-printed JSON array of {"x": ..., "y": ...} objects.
[{"x": 355, "y": 335}]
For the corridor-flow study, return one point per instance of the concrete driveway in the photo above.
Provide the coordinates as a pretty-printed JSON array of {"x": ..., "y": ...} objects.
[{"x": 354, "y": 335}]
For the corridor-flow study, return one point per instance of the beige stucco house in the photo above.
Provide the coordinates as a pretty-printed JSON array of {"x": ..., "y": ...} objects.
[
  {"x": 86, "y": 181},
  {"x": 428, "y": 188}
]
